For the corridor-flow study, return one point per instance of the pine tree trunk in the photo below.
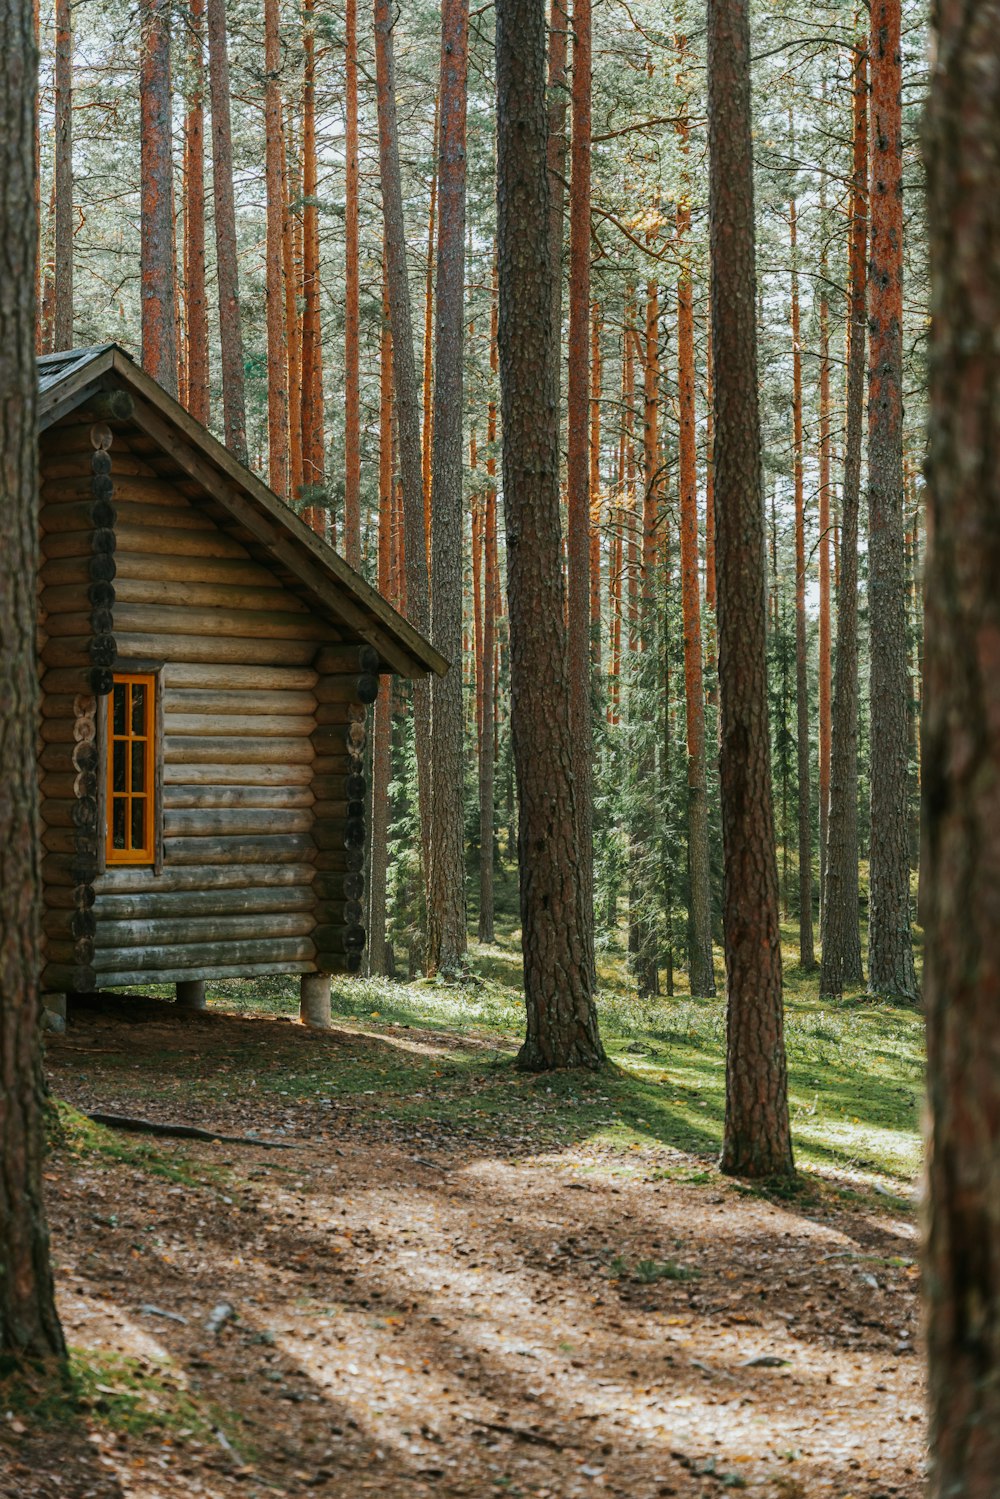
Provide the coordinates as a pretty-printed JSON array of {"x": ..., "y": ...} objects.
[
  {"x": 825, "y": 660},
  {"x": 595, "y": 487},
  {"x": 382, "y": 732},
  {"x": 352, "y": 303},
  {"x": 487, "y": 742},
  {"x": 63, "y": 312},
  {"x": 562, "y": 1018},
  {"x": 700, "y": 964},
  {"x": 159, "y": 292},
  {"x": 293, "y": 322},
  {"x": 578, "y": 454},
  {"x": 890, "y": 947},
  {"x": 313, "y": 441},
  {"x": 230, "y": 321},
  {"x": 195, "y": 294},
  {"x": 556, "y": 154},
  {"x": 406, "y": 394},
  {"x": 807, "y": 957},
  {"x": 446, "y": 916},
  {"x": 960, "y": 891},
  {"x": 757, "y": 1138},
  {"x": 841, "y": 965},
  {"x": 28, "y": 1321},
  {"x": 277, "y": 353}
]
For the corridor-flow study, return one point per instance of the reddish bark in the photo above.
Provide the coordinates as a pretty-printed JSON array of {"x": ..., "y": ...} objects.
[
  {"x": 352, "y": 302},
  {"x": 159, "y": 292},
  {"x": 291, "y": 268},
  {"x": 277, "y": 354},
  {"x": 63, "y": 280},
  {"x": 378, "y": 955},
  {"x": 595, "y": 486},
  {"x": 195, "y": 293},
  {"x": 807, "y": 957},
  {"x": 825, "y": 658},
  {"x": 427, "y": 425},
  {"x": 313, "y": 440},
  {"x": 491, "y": 584},
  {"x": 230, "y": 320}
]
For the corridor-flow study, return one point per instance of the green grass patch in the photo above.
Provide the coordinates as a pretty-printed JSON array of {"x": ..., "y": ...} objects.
[{"x": 72, "y": 1131}]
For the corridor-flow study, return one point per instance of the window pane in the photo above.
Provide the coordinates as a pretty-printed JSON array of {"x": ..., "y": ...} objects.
[
  {"x": 138, "y": 830},
  {"x": 119, "y": 763},
  {"x": 118, "y": 713},
  {"x": 138, "y": 709},
  {"x": 118, "y": 809},
  {"x": 138, "y": 768}
]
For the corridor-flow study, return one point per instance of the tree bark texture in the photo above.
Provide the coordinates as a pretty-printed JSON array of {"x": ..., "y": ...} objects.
[
  {"x": 291, "y": 267},
  {"x": 230, "y": 321},
  {"x": 557, "y": 150},
  {"x": 313, "y": 440},
  {"x": 427, "y": 427},
  {"x": 487, "y": 741},
  {"x": 406, "y": 394},
  {"x": 825, "y": 453},
  {"x": 446, "y": 916},
  {"x": 757, "y": 1138},
  {"x": 28, "y": 1320},
  {"x": 960, "y": 890},
  {"x": 807, "y": 957},
  {"x": 195, "y": 294},
  {"x": 841, "y": 935},
  {"x": 890, "y": 947},
  {"x": 562, "y": 1019},
  {"x": 277, "y": 352},
  {"x": 382, "y": 731},
  {"x": 352, "y": 301},
  {"x": 63, "y": 314},
  {"x": 159, "y": 290}
]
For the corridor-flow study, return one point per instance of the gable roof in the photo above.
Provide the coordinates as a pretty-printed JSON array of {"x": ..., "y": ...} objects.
[{"x": 237, "y": 499}]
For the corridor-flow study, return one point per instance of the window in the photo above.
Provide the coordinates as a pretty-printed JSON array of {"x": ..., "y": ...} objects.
[{"x": 131, "y": 783}]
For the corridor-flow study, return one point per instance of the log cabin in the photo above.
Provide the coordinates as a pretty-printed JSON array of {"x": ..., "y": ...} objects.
[{"x": 206, "y": 663}]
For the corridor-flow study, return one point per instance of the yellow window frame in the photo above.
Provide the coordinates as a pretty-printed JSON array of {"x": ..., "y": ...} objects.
[{"x": 144, "y": 745}]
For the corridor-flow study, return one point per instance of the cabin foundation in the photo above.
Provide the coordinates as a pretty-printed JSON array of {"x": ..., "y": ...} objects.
[
  {"x": 314, "y": 1001},
  {"x": 191, "y": 994}
]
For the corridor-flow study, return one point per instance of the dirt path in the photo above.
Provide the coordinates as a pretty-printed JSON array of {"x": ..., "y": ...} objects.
[{"x": 416, "y": 1314}]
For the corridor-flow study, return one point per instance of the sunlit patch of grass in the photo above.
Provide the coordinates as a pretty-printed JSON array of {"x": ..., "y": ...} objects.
[
  {"x": 74, "y": 1132},
  {"x": 128, "y": 1395}
]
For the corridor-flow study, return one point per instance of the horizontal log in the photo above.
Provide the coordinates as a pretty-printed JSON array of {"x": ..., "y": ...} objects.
[
  {"x": 339, "y": 938},
  {"x": 71, "y": 950},
  {"x": 333, "y": 889},
  {"x": 75, "y": 437},
  {"x": 120, "y": 880},
  {"x": 351, "y": 787},
  {"x": 72, "y": 812},
  {"x": 193, "y": 955},
  {"x": 294, "y": 848},
  {"x": 348, "y": 689},
  {"x": 340, "y": 860},
  {"x": 85, "y": 542},
  {"x": 74, "y": 680},
  {"x": 339, "y": 810},
  {"x": 67, "y": 785},
  {"x": 77, "y": 515},
  {"x": 162, "y": 518},
  {"x": 150, "y": 540},
  {"x": 338, "y": 913},
  {"x": 338, "y": 739},
  {"x": 235, "y": 822},
  {"x": 336, "y": 713},
  {"x": 351, "y": 660},
  {"x": 99, "y": 595},
  {"x": 69, "y": 924},
  {"x": 345, "y": 764},
  {"x": 247, "y": 624},
  {"x": 63, "y": 758},
  {"x": 81, "y": 842},
  {"x": 205, "y": 797},
  {"x": 246, "y": 704},
  {"x": 240, "y": 970},
  {"x": 198, "y": 749},
  {"x": 61, "y": 730},
  {"x": 96, "y": 484},
  {"x": 167, "y": 904},
  {"x": 224, "y": 774},
  {"x": 74, "y": 572},
  {"x": 69, "y": 871},
  {"x": 192, "y": 594},
  {"x": 336, "y": 834},
  {"x": 146, "y": 643},
  {"x": 158, "y": 567},
  {"x": 65, "y": 706},
  {"x": 68, "y": 897},
  {"x": 144, "y": 489},
  {"x": 69, "y": 465},
  {"x": 111, "y": 405},
  {"x": 264, "y": 725},
  {"x": 184, "y": 931},
  {"x": 222, "y": 677},
  {"x": 335, "y": 963},
  {"x": 68, "y": 978}
]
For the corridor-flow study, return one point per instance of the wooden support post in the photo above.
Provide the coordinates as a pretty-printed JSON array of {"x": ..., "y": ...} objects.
[
  {"x": 314, "y": 1001},
  {"x": 191, "y": 994}
]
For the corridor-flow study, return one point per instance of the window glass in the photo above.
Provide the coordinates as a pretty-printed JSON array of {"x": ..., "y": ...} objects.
[{"x": 130, "y": 774}]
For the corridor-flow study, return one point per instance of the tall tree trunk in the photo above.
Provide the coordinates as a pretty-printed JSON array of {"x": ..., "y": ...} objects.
[
  {"x": 352, "y": 303},
  {"x": 230, "y": 322},
  {"x": 293, "y": 322},
  {"x": 406, "y": 394},
  {"x": 28, "y": 1321},
  {"x": 277, "y": 352},
  {"x": 63, "y": 324},
  {"x": 562, "y": 1018},
  {"x": 195, "y": 294},
  {"x": 427, "y": 427},
  {"x": 487, "y": 742},
  {"x": 382, "y": 733},
  {"x": 446, "y": 917},
  {"x": 960, "y": 891},
  {"x": 890, "y": 947},
  {"x": 841, "y": 965},
  {"x": 825, "y": 449},
  {"x": 807, "y": 957},
  {"x": 313, "y": 440},
  {"x": 159, "y": 291},
  {"x": 556, "y": 154},
  {"x": 700, "y": 965},
  {"x": 595, "y": 487},
  {"x": 578, "y": 455},
  {"x": 757, "y": 1139}
]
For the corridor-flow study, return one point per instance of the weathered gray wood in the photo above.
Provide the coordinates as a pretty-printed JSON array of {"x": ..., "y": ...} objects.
[
  {"x": 224, "y": 775},
  {"x": 248, "y": 624},
  {"x": 263, "y": 725},
  {"x": 155, "y": 962},
  {"x": 183, "y": 931},
  {"x": 291, "y": 848},
  {"x": 337, "y": 939},
  {"x": 121, "y": 880},
  {"x": 158, "y": 567},
  {"x": 138, "y": 979},
  {"x": 226, "y": 822},
  {"x": 228, "y": 701},
  {"x": 190, "y": 995},
  {"x": 191, "y": 593},
  {"x": 224, "y": 677},
  {"x": 170, "y": 904},
  {"x": 146, "y": 644},
  {"x": 350, "y": 860},
  {"x": 200, "y": 750},
  {"x": 314, "y": 1001},
  {"x": 133, "y": 536},
  {"x": 203, "y": 797}
]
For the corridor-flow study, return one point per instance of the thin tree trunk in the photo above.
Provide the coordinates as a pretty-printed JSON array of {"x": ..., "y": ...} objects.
[
  {"x": 487, "y": 742},
  {"x": 28, "y": 1320},
  {"x": 427, "y": 426},
  {"x": 446, "y": 916},
  {"x": 159, "y": 291},
  {"x": 561, "y": 1015},
  {"x": 578, "y": 454},
  {"x": 277, "y": 353},
  {"x": 313, "y": 441},
  {"x": 841, "y": 965},
  {"x": 63, "y": 316},
  {"x": 960, "y": 892},
  {"x": 293, "y": 322},
  {"x": 352, "y": 302},
  {"x": 757, "y": 1138},
  {"x": 890, "y": 947},
  {"x": 382, "y": 733},
  {"x": 700, "y": 964},
  {"x": 195, "y": 294},
  {"x": 807, "y": 956},
  {"x": 230, "y": 322},
  {"x": 406, "y": 394},
  {"x": 595, "y": 487},
  {"x": 825, "y": 661}
]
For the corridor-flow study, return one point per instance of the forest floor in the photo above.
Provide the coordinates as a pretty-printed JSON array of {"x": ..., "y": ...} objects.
[{"x": 458, "y": 1280}]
